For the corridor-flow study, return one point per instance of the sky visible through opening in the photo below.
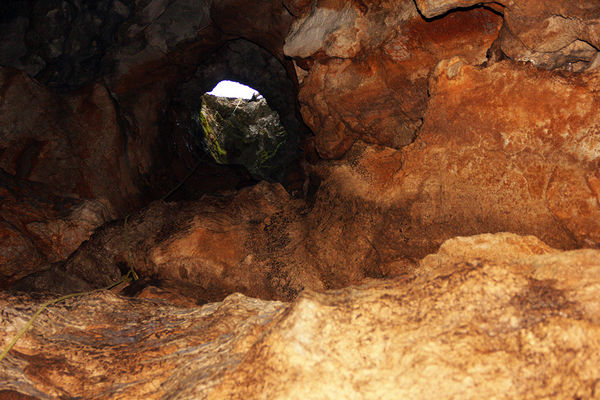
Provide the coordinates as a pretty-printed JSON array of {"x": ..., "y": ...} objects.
[{"x": 233, "y": 89}]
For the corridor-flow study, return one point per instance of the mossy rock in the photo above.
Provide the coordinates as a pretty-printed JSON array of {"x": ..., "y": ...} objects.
[{"x": 246, "y": 132}]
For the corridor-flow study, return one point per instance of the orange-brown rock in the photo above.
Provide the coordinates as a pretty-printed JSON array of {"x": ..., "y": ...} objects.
[
  {"x": 250, "y": 242},
  {"x": 538, "y": 128},
  {"x": 426, "y": 135},
  {"x": 550, "y": 34},
  {"x": 483, "y": 162},
  {"x": 38, "y": 228},
  {"x": 503, "y": 316},
  {"x": 109, "y": 347},
  {"x": 71, "y": 143},
  {"x": 370, "y": 77}
]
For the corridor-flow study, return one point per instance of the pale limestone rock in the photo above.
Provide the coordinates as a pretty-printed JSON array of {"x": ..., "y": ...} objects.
[{"x": 324, "y": 29}]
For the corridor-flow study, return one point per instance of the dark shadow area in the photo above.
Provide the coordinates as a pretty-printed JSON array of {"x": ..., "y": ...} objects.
[{"x": 225, "y": 144}]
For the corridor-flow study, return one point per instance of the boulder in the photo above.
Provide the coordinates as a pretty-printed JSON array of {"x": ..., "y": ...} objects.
[{"x": 246, "y": 132}]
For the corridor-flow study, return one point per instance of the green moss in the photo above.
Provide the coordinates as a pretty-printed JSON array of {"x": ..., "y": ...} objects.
[
  {"x": 265, "y": 155},
  {"x": 214, "y": 147}
]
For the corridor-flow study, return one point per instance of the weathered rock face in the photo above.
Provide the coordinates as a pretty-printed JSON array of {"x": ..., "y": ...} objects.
[
  {"x": 482, "y": 163},
  {"x": 369, "y": 68},
  {"x": 549, "y": 34},
  {"x": 241, "y": 61},
  {"x": 265, "y": 23},
  {"x": 539, "y": 128},
  {"x": 525, "y": 321},
  {"x": 37, "y": 228},
  {"x": 71, "y": 143},
  {"x": 62, "y": 172},
  {"x": 110, "y": 141},
  {"x": 430, "y": 122},
  {"x": 217, "y": 246},
  {"x": 246, "y": 132}
]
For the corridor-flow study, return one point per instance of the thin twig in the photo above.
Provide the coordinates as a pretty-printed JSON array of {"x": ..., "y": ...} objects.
[{"x": 54, "y": 301}]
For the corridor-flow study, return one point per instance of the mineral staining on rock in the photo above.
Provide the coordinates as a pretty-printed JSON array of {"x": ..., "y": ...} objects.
[
  {"x": 393, "y": 278},
  {"x": 377, "y": 91},
  {"x": 518, "y": 320}
]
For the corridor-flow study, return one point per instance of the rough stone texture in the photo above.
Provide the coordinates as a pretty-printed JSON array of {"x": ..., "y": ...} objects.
[
  {"x": 369, "y": 80},
  {"x": 151, "y": 48},
  {"x": 483, "y": 162},
  {"x": 153, "y": 66},
  {"x": 439, "y": 136},
  {"x": 490, "y": 323},
  {"x": 150, "y": 56},
  {"x": 110, "y": 140},
  {"x": 245, "y": 132},
  {"x": 62, "y": 171},
  {"x": 258, "y": 241},
  {"x": 117, "y": 348},
  {"x": 217, "y": 245},
  {"x": 550, "y": 34},
  {"x": 37, "y": 228},
  {"x": 540, "y": 129},
  {"x": 71, "y": 143}
]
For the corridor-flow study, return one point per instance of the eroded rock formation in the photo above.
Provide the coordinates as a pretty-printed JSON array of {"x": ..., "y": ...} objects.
[
  {"x": 244, "y": 132},
  {"x": 486, "y": 313},
  {"x": 437, "y": 237},
  {"x": 369, "y": 68}
]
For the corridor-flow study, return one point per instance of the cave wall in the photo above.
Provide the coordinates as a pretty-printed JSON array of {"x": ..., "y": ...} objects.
[
  {"x": 443, "y": 128},
  {"x": 86, "y": 91},
  {"x": 431, "y": 120},
  {"x": 422, "y": 118}
]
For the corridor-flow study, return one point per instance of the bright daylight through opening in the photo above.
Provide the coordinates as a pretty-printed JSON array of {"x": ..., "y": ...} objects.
[
  {"x": 239, "y": 128},
  {"x": 233, "y": 89}
]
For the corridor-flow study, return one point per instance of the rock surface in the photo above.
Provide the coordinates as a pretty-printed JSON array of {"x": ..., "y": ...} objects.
[
  {"x": 521, "y": 323},
  {"x": 71, "y": 143},
  {"x": 246, "y": 132},
  {"x": 37, "y": 228},
  {"x": 482, "y": 163},
  {"x": 434, "y": 120},
  {"x": 211, "y": 248},
  {"x": 93, "y": 124},
  {"x": 550, "y": 34},
  {"x": 368, "y": 68}
]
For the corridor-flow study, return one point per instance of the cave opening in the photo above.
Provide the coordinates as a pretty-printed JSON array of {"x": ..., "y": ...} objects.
[
  {"x": 233, "y": 123},
  {"x": 237, "y": 127}
]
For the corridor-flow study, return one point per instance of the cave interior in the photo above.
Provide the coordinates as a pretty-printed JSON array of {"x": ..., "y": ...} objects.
[{"x": 417, "y": 183}]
